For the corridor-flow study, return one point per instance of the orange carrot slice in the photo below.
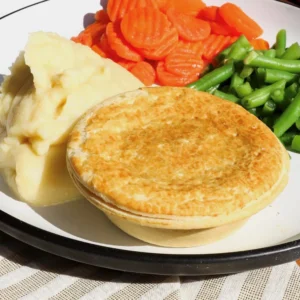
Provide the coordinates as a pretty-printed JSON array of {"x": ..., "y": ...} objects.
[
  {"x": 221, "y": 29},
  {"x": 162, "y": 4},
  {"x": 168, "y": 44},
  {"x": 260, "y": 44},
  {"x": 223, "y": 45},
  {"x": 208, "y": 42},
  {"x": 236, "y": 18},
  {"x": 145, "y": 27},
  {"x": 183, "y": 63},
  {"x": 189, "y": 28},
  {"x": 126, "y": 64},
  {"x": 195, "y": 49},
  {"x": 209, "y": 13},
  {"x": 211, "y": 52},
  {"x": 119, "y": 44},
  {"x": 116, "y": 9},
  {"x": 233, "y": 39},
  {"x": 109, "y": 52},
  {"x": 101, "y": 16},
  {"x": 95, "y": 30},
  {"x": 169, "y": 79},
  {"x": 99, "y": 51},
  {"x": 144, "y": 72},
  {"x": 84, "y": 39},
  {"x": 190, "y": 7}
]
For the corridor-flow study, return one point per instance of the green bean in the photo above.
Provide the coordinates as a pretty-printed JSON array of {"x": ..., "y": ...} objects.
[
  {"x": 269, "y": 108},
  {"x": 270, "y": 120},
  {"x": 272, "y": 76},
  {"x": 260, "y": 75},
  {"x": 252, "y": 79},
  {"x": 293, "y": 52},
  {"x": 225, "y": 88},
  {"x": 260, "y": 52},
  {"x": 246, "y": 72},
  {"x": 208, "y": 69},
  {"x": 270, "y": 53},
  {"x": 237, "y": 52},
  {"x": 213, "y": 78},
  {"x": 221, "y": 56},
  {"x": 280, "y": 43},
  {"x": 278, "y": 96},
  {"x": 226, "y": 96},
  {"x": 255, "y": 60},
  {"x": 296, "y": 143},
  {"x": 236, "y": 81},
  {"x": 253, "y": 111},
  {"x": 241, "y": 41},
  {"x": 287, "y": 138},
  {"x": 288, "y": 117},
  {"x": 244, "y": 90},
  {"x": 260, "y": 96},
  {"x": 298, "y": 124},
  {"x": 212, "y": 89},
  {"x": 289, "y": 94}
]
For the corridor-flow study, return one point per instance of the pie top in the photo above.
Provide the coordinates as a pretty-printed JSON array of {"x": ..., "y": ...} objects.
[{"x": 176, "y": 152}]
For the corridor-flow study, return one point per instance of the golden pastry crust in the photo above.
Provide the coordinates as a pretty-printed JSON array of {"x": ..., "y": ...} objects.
[{"x": 174, "y": 153}]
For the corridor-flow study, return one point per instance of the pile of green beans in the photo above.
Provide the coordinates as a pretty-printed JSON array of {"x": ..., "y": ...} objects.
[{"x": 266, "y": 83}]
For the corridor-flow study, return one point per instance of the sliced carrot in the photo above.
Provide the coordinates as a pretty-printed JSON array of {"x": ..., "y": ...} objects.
[
  {"x": 260, "y": 44},
  {"x": 99, "y": 51},
  {"x": 144, "y": 72},
  {"x": 162, "y": 4},
  {"x": 209, "y": 13},
  {"x": 189, "y": 28},
  {"x": 126, "y": 64},
  {"x": 192, "y": 48},
  {"x": 104, "y": 45},
  {"x": 217, "y": 44},
  {"x": 145, "y": 27},
  {"x": 169, "y": 79},
  {"x": 119, "y": 44},
  {"x": 211, "y": 52},
  {"x": 224, "y": 44},
  {"x": 101, "y": 16},
  {"x": 235, "y": 17},
  {"x": 183, "y": 63},
  {"x": 190, "y": 7},
  {"x": 208, "y": 42},
  {"x": 233, "y": 39},
  {"x": 84, "y": 39},
  {"x": 168, "y": 44},
  {"x": 116, "y": 9},
  {"x": 221, "y": 29},
  {"x": 95, "y": 30}
]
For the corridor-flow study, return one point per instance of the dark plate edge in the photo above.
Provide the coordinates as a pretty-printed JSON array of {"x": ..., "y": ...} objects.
[
  {"x": 148, "y": 263},
  {"x": 22, "y": 8},
  {"x": 158, "y": 264}
]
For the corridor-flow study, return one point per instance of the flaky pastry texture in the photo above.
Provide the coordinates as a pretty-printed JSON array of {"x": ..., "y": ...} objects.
[{"x": 177, "y": 154}]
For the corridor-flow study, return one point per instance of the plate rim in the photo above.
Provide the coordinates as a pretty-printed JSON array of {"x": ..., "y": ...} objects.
[
  {"x": 142, "y": 262},
  {"x": 149, "y": 263}
]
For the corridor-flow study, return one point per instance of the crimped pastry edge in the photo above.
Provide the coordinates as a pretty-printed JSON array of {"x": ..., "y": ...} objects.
[{"x": 178, "y": 222}]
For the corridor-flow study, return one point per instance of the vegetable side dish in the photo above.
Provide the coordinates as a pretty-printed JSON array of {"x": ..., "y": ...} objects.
[
  {"x": 169, "y": 42},
  {"x": 266, "y": 83}
]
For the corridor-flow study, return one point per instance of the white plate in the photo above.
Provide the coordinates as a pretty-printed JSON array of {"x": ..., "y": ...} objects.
[{"x": 277, "y": 224}]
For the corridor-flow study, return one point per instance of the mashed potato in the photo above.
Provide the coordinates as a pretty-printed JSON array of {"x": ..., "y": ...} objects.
[{"x": 52, "y": 83}]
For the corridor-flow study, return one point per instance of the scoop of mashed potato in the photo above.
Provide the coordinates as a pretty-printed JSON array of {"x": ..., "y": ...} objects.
[{"x": 52, "y": 83}]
